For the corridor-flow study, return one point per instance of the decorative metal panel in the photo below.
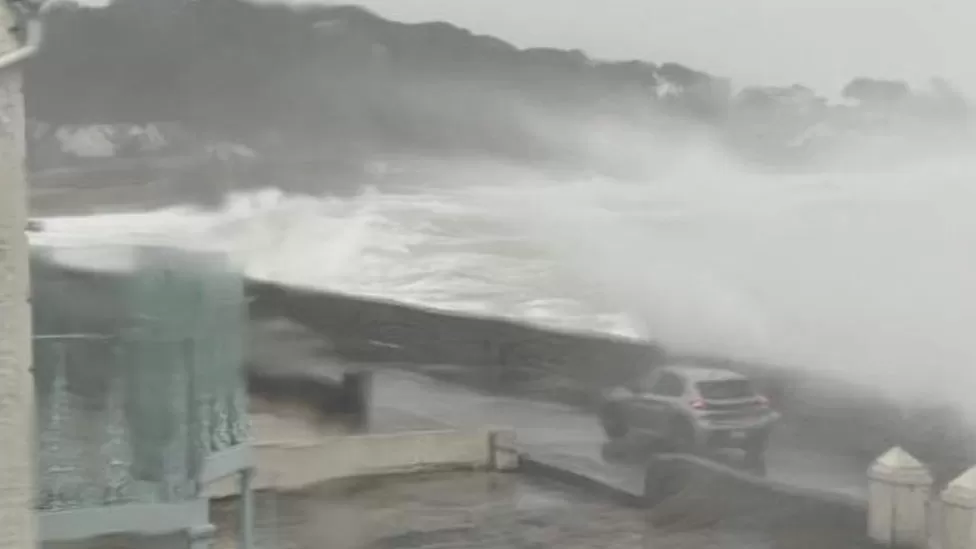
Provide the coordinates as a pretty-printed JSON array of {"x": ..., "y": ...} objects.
[{"x": 139, "y": 377}]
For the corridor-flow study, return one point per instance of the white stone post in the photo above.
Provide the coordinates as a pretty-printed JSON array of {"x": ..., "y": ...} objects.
[
  {"x": 17, "y": 526},
  {"x": 958, "y": 511},
  {"x": 898, "y": 495}
]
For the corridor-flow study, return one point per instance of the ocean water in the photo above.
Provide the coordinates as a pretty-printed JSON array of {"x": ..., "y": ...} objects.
[{"x": 871, "y": 276}]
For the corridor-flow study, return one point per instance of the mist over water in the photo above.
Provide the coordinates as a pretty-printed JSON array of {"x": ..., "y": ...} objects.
[
  {"x": 867, "y": 276},
  {"x": 864, "y": 276}
]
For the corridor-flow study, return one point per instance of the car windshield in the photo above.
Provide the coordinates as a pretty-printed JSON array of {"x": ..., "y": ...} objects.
[{"x": 725, "y": 389}]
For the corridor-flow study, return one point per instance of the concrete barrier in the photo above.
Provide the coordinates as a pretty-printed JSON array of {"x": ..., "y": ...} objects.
[
  {"x": 286, "y": 466},
  {"x": 369, "y": 330},
  {"x": 571, "y": 366}
]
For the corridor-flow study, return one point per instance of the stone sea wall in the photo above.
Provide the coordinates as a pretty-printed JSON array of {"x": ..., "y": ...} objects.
[{"x": 506, "y": 357}]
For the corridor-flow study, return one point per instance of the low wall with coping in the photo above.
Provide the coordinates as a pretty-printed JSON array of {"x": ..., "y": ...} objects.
[{"x": 288, "y": 466}]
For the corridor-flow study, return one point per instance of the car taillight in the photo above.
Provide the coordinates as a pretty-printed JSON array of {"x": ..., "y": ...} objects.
[
  {"x": 762, "y": 401},
  {"x": 699, "y": 404}
]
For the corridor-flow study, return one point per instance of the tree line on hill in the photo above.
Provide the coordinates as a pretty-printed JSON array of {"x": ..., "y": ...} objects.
[{"x": 344, "y": 79}]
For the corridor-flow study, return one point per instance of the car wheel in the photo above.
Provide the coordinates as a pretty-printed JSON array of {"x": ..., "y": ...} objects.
[
  {"x": 755, "y": 463},
  {"x": 663, "y": 479},
  {"x": 683, "y": 438},
  {"x": 755, "y": 457},
  {"x": 613, "y": 422},
  {"x": 613, "y": 451}
]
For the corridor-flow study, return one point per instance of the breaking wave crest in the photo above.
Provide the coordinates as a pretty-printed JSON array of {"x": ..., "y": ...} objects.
[{"x": 869, "y": 275}]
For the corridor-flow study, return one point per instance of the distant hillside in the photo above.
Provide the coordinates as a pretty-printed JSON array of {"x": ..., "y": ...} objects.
[{"x": 345, "y": 80}]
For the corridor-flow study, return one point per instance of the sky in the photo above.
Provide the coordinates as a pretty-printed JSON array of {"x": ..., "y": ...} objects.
[{"x": 819, "y": 43}]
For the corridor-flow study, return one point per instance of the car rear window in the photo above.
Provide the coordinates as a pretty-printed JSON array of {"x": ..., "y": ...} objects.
[{"x": 725, "y": 389}]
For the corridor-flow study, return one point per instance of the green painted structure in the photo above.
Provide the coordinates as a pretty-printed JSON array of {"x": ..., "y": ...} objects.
[{"x": 141, "y": 395}]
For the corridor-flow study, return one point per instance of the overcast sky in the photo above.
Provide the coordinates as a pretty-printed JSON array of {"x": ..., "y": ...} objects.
[{"x": 822, "y": 43}]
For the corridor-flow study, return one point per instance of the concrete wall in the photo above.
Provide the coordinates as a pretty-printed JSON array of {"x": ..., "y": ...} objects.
[
  {"x": 286, "y": 466},
  {"x": 575, "y": 366},
  {"x": 371, "y": 330},
  {"x": 506, "y": 356},
  {"x": 364, "y": 330},
  {"x": 17, "y": 529}
]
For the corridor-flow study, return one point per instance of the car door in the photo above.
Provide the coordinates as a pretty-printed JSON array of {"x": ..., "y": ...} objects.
[
  {"x": 650, "y": 401},
  {"x": 660, "y": 402},
  {"x": 637, "y": 409}
]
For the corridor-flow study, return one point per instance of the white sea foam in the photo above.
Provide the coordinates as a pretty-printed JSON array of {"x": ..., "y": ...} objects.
[{"x": 870, "y": 276}]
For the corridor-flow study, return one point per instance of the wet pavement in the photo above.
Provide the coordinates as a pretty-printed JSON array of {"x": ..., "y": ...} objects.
[
  {"x": 448, "y": 510},
  {"x": 559, "y": 433},
  {"x": 489, "y": 510},
  {"x": 547, "y": 431},
  {"x": 442, "y": 511},
  {"x": 494, "y": 510},
  {"x": 499, "y": 510},
  {"x": 486, "y": 510}
]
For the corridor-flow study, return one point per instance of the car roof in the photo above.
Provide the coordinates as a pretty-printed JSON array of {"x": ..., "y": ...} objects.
[{"x": 700, "y": 373}]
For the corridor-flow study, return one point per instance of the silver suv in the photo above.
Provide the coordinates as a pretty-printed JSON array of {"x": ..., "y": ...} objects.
[{"x": 693, "y": 410}]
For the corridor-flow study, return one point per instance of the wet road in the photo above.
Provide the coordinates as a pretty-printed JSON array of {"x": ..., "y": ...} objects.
[
  {"x": 557, "y": 432},
  {"x": 545, "y": 430}
]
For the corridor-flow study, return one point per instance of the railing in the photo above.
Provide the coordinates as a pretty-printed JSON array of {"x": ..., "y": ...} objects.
[{"x": 141, "y": 397}]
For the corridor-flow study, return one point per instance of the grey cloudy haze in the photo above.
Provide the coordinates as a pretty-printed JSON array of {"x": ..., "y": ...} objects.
[{"x": 821, "y": 43}]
